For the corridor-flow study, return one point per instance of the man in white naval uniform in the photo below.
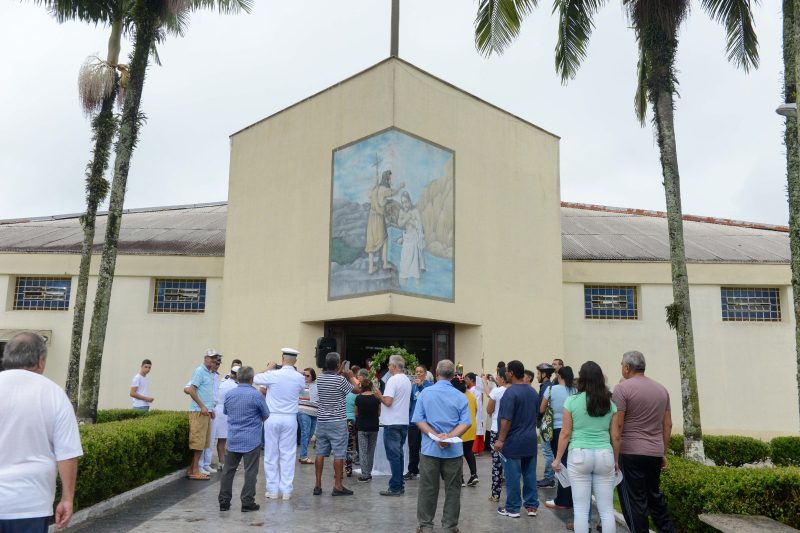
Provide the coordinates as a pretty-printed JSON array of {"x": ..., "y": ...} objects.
[{"x": 284, "y": 387}]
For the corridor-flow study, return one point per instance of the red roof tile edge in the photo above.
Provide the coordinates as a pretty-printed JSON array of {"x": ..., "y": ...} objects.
[{"x": 662, "y": 214}]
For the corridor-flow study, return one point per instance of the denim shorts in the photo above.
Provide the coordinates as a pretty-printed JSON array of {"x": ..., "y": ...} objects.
[{"x": 332, "y": 436}]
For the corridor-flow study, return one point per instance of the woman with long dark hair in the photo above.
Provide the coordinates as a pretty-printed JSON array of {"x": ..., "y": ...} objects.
[
  {"x": 586, "y": 431},
  {"x": 468, "y": 438},
  {"x": 556, "y": 396},
  {"x": 307, "y": 414}
]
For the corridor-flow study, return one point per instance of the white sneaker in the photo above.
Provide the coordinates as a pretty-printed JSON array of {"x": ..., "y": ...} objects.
[
  {"x": 220, "y": 468},
  {"x": 502, "y": 511},
  {"x": 271, "y": 495},
  {"x": 287, "y": 496},
  {"x": 205, "y": 470}
]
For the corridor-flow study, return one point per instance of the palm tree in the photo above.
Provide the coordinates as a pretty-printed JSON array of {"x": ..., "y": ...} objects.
[
  {"x": 149, "y": 18},
  {"x": 99, "y": 86},
  {"x": 656, "y": 24},
  {"x": 791, "y": 42}
]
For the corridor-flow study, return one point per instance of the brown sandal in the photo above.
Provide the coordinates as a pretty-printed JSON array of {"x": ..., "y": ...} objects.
[
  {"x": 199, "y": 477},
  {"x": 306, "y": 461}
]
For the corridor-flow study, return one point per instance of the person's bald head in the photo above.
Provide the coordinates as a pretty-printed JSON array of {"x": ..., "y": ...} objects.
[{"x": 27, "y": 351}]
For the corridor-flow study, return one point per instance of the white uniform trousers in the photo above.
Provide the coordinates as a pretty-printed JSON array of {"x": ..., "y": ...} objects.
[
  {"x": 280, "y": 450},
  {"x": 205, "y": 459}
]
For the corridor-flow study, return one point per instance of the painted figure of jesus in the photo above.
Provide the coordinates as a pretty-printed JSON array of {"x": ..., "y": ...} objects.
[{"x": 376, "y": 223}]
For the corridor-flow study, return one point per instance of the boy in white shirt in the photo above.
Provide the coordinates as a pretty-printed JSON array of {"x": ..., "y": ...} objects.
[{"x": 140, "y": 388}]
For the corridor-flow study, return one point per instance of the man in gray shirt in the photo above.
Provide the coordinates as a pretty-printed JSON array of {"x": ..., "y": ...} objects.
[{"x": 641, "y": 429}]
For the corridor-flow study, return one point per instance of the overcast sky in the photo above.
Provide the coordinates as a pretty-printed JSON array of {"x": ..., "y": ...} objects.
[{"x": 230, "y": 71}]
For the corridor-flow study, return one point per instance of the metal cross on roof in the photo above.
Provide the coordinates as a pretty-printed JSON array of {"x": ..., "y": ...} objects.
[{"x": 393, "y": 51}]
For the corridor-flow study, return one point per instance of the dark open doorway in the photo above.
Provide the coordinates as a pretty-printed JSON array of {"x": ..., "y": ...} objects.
[{"x": 358, "y": 341}]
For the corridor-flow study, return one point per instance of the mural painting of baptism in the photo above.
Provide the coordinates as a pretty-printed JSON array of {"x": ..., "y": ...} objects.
[{"x": 392, "y": 218}]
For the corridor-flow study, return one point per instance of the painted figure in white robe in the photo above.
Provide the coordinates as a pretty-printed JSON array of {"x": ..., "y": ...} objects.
[{"x": 412, "y": 253}]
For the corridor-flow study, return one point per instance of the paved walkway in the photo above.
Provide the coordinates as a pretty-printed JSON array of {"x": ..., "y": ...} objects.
[{"x": 184, "y": 506}]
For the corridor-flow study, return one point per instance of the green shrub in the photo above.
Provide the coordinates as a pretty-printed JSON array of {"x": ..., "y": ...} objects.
[
  {"x": 115, "y": 415},
  {"x": 120, "y": 456},
  {"x": 734, "y": 450},
  {"x": 691, "y": 489},
  {"x": 727, "y": 450},
  {"x": 786, "y": 451},
  {"x": 676, "y": 445}
]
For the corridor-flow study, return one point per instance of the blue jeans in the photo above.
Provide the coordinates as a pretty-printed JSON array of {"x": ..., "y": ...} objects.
[
  {"x": 142, "y": 408},
  {"x": 547, "y": 454},
  {"x": 307, "y": 425},
  {"x": 524, "y": 468},
  {"x": 393, "y": 439}
]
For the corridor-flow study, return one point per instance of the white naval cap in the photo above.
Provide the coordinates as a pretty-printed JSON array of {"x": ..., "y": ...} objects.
[{"x": 291, "y": 352}]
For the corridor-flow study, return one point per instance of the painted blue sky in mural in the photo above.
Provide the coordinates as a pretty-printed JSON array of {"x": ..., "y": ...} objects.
[
  {"x": 396, "y": 236},
  {"x": 411, "y": 160}
]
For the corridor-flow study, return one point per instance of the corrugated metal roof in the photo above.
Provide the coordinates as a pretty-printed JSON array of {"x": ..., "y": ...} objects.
[
  {"x": 594, "y": 233},
  {"x": 194, "y": 230},
  {"x": 588, "y": 233}
]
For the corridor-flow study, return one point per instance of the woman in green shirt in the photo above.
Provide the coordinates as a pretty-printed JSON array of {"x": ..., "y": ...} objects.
[{"x": 590, "y": 462}]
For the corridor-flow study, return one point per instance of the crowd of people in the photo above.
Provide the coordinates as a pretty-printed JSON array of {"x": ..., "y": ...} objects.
[{"x": 591, "y": 440}]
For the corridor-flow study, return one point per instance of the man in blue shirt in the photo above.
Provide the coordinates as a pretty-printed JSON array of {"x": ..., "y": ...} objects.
[
  {"x": 441, "y": 411},
  {"x": 246, "y": 410},
  {"x": 414, "y": 435},
  {"x": 201, "y": 410},
  {"x": 516, "y": 442}
]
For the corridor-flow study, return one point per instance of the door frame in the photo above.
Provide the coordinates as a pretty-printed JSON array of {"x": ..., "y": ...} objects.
[{"x": 337, "y": 329}]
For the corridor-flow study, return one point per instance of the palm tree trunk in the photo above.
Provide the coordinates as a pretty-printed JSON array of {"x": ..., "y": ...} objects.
[
  {"x": 661, "y": 47},
  {"x": 104, "y": 127},
  {"x": 128, "y": 133},
  {"x": 791, "y": 75}
]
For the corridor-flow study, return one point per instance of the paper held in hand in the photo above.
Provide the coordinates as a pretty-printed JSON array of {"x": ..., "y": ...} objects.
[{"x": 451, "y": 440}]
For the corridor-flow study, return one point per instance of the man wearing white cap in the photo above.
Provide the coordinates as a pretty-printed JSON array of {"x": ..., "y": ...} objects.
[
  {"x": 280, "y": 431},
  {"x": 201, "y": 411}
]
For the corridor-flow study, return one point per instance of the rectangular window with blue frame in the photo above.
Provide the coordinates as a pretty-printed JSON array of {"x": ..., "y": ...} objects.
[
  {"x": 750, "y": 304},
  {"x": 610, "y": 302},
  {"x": 39, "y": 293},
  {"x": 179, "y": 296}
]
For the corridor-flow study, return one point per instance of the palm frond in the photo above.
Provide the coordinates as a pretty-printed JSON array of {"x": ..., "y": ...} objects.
[
  {"x": 498, "y": 23},
  {"x": 95, "y": 12},
  {"x": 640, "y": 98},
  {"x": 575, "y": 25},
  {"x": 225, "y": 7},
  {"x": 737, "y": 16}
]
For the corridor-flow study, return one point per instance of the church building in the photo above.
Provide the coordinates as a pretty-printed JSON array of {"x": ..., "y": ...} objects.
[{"x": 394, "y": 209}]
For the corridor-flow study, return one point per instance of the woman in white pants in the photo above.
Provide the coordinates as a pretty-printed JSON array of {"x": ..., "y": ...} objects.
[{"x": 590, "y": 462}]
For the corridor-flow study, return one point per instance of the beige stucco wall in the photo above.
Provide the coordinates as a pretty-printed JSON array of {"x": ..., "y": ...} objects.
[
  {"x": 745, "y": 370},
  {"x": 507, "y": 221},
  {"x": 174, "y": 342}
]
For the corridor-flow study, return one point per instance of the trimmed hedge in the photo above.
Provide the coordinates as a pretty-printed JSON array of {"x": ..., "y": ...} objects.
[
  {"x": 115, "y": 415},
  {"x": 691, "y": 489},
  {"x": 785, "y": 451},
  {"x": 727, "y": 450},
  {"x": 120, "y": 456}
]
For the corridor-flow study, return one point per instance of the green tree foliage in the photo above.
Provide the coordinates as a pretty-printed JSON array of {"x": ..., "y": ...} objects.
[{"x": 655, "y": 24}]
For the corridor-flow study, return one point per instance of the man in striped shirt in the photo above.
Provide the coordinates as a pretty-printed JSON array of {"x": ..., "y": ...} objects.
[
  {"x": 333, "y": 387},
  {"x": 246, "y": 410}
]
